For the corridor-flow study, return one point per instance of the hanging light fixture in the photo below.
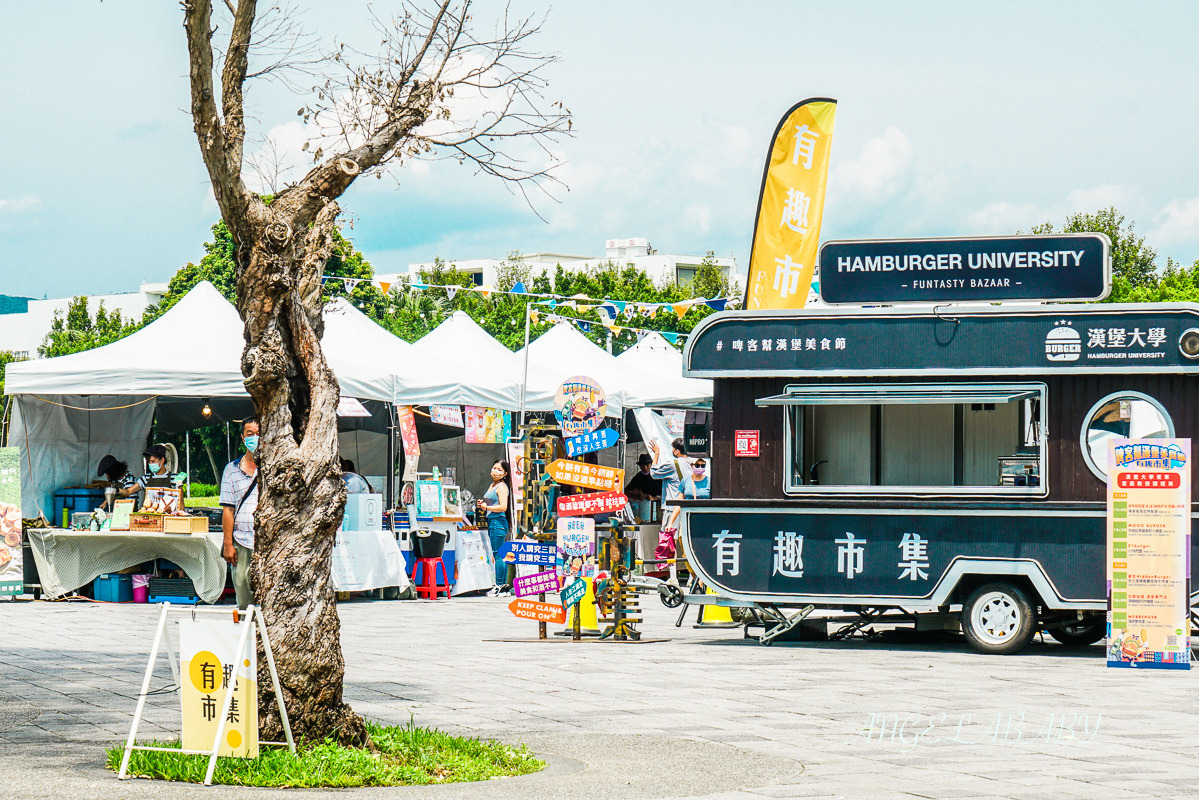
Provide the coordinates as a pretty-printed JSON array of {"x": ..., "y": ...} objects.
[{"x": 206, "y": 410}]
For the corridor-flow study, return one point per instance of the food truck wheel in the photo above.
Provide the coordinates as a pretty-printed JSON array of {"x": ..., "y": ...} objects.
[
  {"x": 997, "y": 618},
  {"x": 1078, "y": 634}
]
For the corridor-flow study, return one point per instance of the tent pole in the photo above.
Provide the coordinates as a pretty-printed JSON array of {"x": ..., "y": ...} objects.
[
  {"x": 187, "y": 449},
  {"x": 525, "y": 379},
  {"x": 391, "y": 467}
]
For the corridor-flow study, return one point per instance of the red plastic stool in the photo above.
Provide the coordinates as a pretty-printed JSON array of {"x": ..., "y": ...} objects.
[{"x": 428, "y": 588}]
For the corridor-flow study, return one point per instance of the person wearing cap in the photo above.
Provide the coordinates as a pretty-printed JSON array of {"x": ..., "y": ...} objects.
[
  {"x": 117, "y": 473},
  {"x": 156, "y": 469},
  {"x": 643, "y": 487}
]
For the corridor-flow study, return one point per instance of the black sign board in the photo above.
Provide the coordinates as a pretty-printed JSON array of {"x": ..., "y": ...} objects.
[
  {"x": 1100, "y": 338},
  {"x": 1049, "y": 267},
  {"x": 696, "y": 439},
  {"x": 897, "y": 555}
]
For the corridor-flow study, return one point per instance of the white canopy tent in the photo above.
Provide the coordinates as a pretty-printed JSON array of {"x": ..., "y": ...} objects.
[
  {"x": 567, "y": 352},
  {"x": 71, "y": 410},
  {"x": 458, "y": 333},
  {"x": 657, "y": 356}
]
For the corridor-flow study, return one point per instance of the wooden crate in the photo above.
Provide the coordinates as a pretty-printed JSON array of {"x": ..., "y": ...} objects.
[
  {"x": 145, "y": 522},
  {"x": 185, "y": 524}
]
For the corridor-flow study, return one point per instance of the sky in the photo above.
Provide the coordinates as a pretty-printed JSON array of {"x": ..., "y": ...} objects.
[{"x": 954, "y": 119}]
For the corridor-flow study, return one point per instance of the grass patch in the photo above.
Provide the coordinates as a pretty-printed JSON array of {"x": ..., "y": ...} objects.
[
  {"x": 207, "y": 501},
  {"x": 408, "y": 755}
]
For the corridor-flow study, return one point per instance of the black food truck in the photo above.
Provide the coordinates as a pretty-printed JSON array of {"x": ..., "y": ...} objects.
[{"x": 947, "y": 465}]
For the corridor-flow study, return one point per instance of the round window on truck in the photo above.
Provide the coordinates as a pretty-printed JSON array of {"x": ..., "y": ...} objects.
[{"x": 1121, "y": 415}]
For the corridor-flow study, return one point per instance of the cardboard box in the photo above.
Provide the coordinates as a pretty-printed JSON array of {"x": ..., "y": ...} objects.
[{"x": 184, "y": 524}]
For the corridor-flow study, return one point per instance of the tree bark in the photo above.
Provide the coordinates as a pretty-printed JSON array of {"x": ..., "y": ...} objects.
[{"x": 301, "y": 495}]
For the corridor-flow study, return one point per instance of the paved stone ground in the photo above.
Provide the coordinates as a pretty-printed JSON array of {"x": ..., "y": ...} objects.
[{"x": 705, "y": 714}]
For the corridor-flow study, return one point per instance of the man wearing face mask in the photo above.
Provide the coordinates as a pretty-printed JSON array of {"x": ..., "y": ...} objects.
[{"x": 239, "y": 499}]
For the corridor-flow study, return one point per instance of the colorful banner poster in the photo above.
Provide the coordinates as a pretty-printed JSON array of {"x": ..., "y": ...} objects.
[
  {"x": 1148, "y": 547},
  {"x": 408, "y": 431},
  {"x": 487, "y": 425},
  {"x": 537, "y": 583},
  {"x": 447, "y": 415},
  {"x": 516, "y": 463},
  {"x": 787, "y": 229},
  {"x": 207, "y": 652},
  {"x": 580, "y": 405},
  {"x": 12, "y": 580},
  {"x": 543, "y": 612},
  {"x": 674, "y": 422},
  {"x": 576, "y": 548}
]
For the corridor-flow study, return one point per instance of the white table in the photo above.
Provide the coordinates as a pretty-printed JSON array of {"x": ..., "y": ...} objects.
[{"x": 67, "y": 559}]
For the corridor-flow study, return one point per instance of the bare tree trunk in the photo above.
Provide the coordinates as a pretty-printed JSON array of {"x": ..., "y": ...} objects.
[{"x": 302, "y": 495}]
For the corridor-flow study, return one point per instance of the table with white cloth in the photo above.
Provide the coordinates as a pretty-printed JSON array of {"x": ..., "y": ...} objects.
[
  {"x": 68, "y": 559},
  {"x": 366, "y": 560}
]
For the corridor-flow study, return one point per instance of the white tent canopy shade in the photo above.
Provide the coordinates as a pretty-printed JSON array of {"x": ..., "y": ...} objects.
[
  {"x": 567, "y": 352},
  {"x": 458, "y": 333},
  {"x": 657, "y": 356}
]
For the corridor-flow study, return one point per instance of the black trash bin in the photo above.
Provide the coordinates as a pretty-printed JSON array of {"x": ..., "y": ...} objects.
[{"x": 428, "y": 544}]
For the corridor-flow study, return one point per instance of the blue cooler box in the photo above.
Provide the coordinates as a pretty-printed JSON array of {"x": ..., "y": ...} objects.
[{"x": 75, "y": 501}]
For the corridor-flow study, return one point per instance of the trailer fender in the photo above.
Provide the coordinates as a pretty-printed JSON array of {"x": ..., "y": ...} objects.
[{"x": 964, "y": 574}]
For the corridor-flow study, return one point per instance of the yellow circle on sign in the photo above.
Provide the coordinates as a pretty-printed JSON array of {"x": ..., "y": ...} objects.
[
  {"x": 205, "y": 672},
  {"x": 246, "y": 662},
  {"x": 234, "y": 739}
]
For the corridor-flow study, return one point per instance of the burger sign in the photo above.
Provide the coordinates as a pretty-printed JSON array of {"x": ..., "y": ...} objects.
[{"x": 1063, "y": 343}]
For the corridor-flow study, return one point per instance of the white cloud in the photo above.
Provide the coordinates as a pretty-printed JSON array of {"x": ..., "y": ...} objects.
[
  {"x": 881, "y": 171},
  {"x": 701, "y": 215},
  {"x": 1180, "y": 223},
  {"x": 23, "y": 203},
  {"x": 1003, "y": 218},
  {"x": 1099, "y": 197}
]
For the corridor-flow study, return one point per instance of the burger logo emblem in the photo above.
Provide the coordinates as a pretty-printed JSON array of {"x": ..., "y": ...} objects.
[{"x": 1063, "y": 344}]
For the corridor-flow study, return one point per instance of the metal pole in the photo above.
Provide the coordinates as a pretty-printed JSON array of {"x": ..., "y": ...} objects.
[
  {"x": 187, "y": 448},
  {"x": 525, "y": 379}
]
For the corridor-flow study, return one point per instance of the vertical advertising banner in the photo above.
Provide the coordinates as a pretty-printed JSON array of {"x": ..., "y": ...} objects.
[
  {"x": 408, "y": 432},
  {"x": 11, "y": 571},
  {"x": 787, "y": 229},
  {"x": 1148, "y": 548},
  {"x": 207, "y": 652}
]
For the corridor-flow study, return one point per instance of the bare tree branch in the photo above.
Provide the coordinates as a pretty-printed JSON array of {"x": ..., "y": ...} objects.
[{"x": 233, "y": 77}]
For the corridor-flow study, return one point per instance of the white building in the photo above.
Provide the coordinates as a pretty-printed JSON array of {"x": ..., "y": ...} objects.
[
  {"x": 24, "y": 333},
  {"x": 663, "y": 268}
]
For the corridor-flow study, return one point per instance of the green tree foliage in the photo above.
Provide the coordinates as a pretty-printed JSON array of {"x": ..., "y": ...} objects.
[
  {"x": 6, "y": 358},
  {"x": 77, "y": 330},
  {"x": 411, "y": 313},
  {"x": 1132, "y": 260},
  {"x": 1176, "y": 284}
]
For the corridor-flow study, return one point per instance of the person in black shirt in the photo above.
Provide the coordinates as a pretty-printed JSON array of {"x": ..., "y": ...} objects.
[{"x": 642, "y": 487}]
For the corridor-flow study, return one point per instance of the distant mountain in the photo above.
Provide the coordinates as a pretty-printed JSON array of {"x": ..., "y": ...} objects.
[{"x": 14, "y": 305}]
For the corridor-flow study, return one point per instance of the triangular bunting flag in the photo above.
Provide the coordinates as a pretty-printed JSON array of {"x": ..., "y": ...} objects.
[
  {"x": 519, "y": 288},
  {"x": 617, "y": 329},
  {"x": 641, "y": 334},
  {"x": 324, "y": 280},
  {"x": 653, "y": 312},
  {"x": 718, "y": 304},
  {"x": 420, "y": 286},
  {"x": 450, "y": 291},
  {"x": 384, "y": 285},
  {"x": 535, "y": 317},
  {"x": 584, "y": 325},
  {"x": 619, "y": 305},
  {"x": 669, "y": 336},
  {"x": 351, "y": 284},
  {"x": 681, "y": 309}
]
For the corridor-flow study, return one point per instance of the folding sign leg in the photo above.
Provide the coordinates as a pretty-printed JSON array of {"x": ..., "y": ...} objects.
[
  {"x": 141, "y": 698},
  {"x": 246, "y": 627},
  {"x": 270, "y": 660}
]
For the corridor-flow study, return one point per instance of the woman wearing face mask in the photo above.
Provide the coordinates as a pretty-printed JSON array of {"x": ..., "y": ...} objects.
[
  {"x": 698, "y": 487},
  {"x": 156, "y": 469},
  {"x": 495, "y": 504}
]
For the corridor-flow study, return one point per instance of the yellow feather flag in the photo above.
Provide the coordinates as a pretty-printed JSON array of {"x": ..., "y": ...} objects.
[{"x": 787, "y": 229}]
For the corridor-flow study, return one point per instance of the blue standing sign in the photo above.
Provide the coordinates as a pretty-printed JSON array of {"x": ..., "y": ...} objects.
[
  {"x": 590, "y": 442},
  {"x": 530, "y": 553}
]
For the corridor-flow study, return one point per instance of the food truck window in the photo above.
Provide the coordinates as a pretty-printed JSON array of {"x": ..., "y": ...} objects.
[
  {"x": 1127, "y": 415},
  {"x": 921, "y": 439}
]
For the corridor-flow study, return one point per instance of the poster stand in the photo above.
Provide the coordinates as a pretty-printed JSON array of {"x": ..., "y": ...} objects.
[{"x": 247, "y": 623}]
